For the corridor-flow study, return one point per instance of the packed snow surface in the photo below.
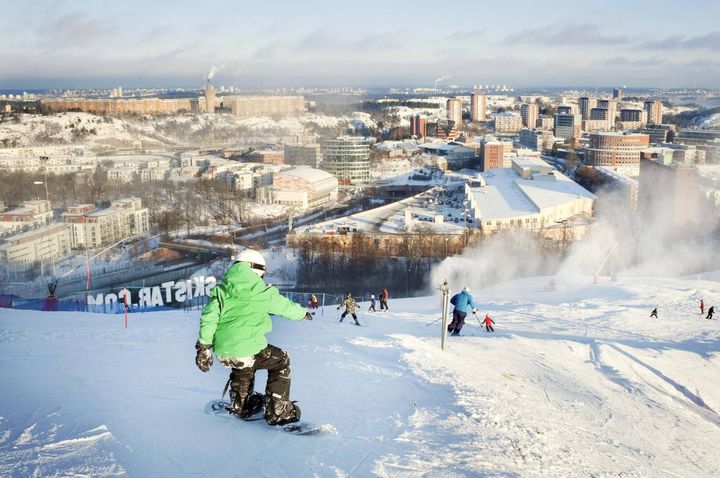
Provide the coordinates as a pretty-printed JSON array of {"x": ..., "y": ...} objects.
[{"x": 577, "y": 380}]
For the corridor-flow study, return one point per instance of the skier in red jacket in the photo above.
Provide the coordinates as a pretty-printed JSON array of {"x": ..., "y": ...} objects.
[
  {"x": 488, "y": 323},
  {"x": 702, "y": 307}
]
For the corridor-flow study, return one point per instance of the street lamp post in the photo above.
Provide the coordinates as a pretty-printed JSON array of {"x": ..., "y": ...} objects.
[{"x": 45, "y": 160}]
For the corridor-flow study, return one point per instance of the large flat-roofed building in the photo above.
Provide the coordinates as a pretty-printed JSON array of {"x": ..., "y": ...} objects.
[
  {"x": 90, "y": 227},
  {"x": 707, "y": 140},
  {"x": 267, "y": 156},
  {"x": 507, "y": 122},
  {"x": 348, "y": 158},
  {"x": 30, "y": 214},
  {"x": 247, "y": 106},
  {"x": 119, "y": 106},
  {"x": 536, "y": 139},
  {"x": 22, "y": 251},
  {"x": 304, "y": 188},
  {"x": 616, "y": 149},
  {"x": 530, "y": 195},
  {"x": 669, "y": 195},
  {"x": 302, "y": 155}
]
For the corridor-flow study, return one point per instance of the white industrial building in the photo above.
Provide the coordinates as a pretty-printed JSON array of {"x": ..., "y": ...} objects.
[
  {"x": 304, "y": 188},
  {"x": 530, "y": 195}
]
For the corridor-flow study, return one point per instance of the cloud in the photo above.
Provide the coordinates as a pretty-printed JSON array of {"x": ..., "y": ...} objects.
[
  {"x": 74, "y": 30},
  {"x": 708, "y": 41},
  {"x": 565, "y": 35}
]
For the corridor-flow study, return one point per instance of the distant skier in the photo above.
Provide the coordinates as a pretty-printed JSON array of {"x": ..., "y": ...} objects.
[
  {"x": 488, "y": 323},
  {"x": 350, "y": 305},
  {"x": 234, "y": 324},
  {"x": 654, "y": 313},
  {"x": 702, "y": 307},
  {"x": 313, "y": 304},
  {"x": 462, "y": 302},
  {"x": 711, "y": 312},
  {"x": 384, "y": 296},
  {"x": 372, "y": 303}
]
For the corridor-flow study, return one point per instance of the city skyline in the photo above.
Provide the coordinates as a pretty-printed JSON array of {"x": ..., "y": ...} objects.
[{"x": 64, "y": 44}]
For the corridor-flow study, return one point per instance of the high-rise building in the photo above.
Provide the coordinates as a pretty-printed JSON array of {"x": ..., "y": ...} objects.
[
  {"x": 454, "y": 112},
  {"x": 631, "y": 114},
  {"x": 568, "y": 126},
  {"x": 529, "y": 114},
  {"x": 348, "y": 158},
  {"x": 653, "y": 109},
  {"x": 668, "y": 193},
  {"x": 600, "y": 114},
  {"x": 418, "y": 126},
  {"x": 491, "y": 155},
  {"x": 586, "y": 104},
  {"x": 478, "y": 106},
  {"x": 567, "y": 110},
  {"x": 617, "y": 93},
  {"x": 616, "y": 149}
]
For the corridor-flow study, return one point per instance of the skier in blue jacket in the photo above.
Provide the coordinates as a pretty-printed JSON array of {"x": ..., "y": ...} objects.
[{"x": 462, "y": 302}]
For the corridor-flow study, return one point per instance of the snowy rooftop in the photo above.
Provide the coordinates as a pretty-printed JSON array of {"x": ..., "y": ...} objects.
[
  {"x": 508, "y": 195},
  {"x": 309, "y": 174}
]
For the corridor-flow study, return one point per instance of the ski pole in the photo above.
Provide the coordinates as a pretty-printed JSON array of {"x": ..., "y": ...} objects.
[
  {"x": 433, "y": 321},
  {"x": 478, "y": 319}
]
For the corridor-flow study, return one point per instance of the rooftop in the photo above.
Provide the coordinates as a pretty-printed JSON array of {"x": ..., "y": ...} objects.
[{"x": 508, "y": 195}]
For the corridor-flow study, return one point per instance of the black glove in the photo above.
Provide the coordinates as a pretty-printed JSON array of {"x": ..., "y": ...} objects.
[
  {"x": 338, "y": 308},
  {"x": 203, "y": 358},
  {"x": 308, "y": 316}
]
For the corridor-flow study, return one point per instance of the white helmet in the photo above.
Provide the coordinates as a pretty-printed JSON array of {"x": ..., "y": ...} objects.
[
  {"x": 372, "y": 296},
  {"x": 252, "y": 257},
  {"x": 466, "y": 289}
]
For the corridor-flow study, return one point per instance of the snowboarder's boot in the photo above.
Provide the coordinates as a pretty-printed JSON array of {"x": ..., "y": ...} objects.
[
  {"x": 357, "y": 323},
  {"x": 455, "y": 333},
  {"x": 245, "y": 407},
  {"x": 281, "y": 412}
]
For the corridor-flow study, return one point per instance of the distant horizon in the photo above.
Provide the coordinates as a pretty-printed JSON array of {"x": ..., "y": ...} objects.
[{"x": 558, "y": 87}]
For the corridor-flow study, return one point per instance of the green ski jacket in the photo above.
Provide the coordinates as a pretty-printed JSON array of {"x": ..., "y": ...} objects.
[{"x": 236, "y": 319}]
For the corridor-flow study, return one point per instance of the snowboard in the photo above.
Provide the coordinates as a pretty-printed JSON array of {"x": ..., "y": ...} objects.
[{"x": 220, "y": 408}]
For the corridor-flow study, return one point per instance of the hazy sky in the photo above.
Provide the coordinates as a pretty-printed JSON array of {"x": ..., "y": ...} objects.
[{"x": 99, "y": 43}]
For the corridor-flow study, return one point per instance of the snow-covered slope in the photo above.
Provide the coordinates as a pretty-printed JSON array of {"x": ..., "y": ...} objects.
[
  {"x": 170, "y": 130},
  {"x": 576, "y": 381}
]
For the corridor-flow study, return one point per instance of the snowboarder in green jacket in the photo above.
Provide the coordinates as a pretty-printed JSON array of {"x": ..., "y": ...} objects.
[{"x": 234, "y": 324}]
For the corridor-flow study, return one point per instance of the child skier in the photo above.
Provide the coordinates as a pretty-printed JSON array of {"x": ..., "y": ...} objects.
[
  {"x": 350, "y": 305},
  {"x": 654, "y": 313},
  {"x": 488, "y": 323},
  {"x": 702, "y": 307},
  {"x": 234, "y": 324},
  {"x": 711, "y": 312},
  {"x": 372, "y": 303}
]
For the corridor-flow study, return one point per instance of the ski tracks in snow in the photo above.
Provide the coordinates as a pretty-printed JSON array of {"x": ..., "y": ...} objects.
[{"x": 46, "y": 448}]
